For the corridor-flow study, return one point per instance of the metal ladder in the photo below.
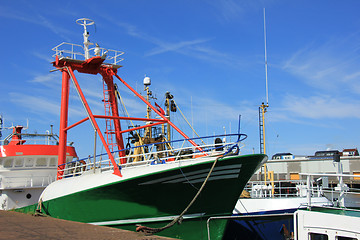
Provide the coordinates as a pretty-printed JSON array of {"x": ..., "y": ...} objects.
[{"x": 109, "y": 122}]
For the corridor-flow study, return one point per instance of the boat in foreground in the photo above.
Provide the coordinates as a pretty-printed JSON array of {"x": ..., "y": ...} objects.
[
  {"x": 154, "y": 195},
  {"x": 153, "y": 185}
]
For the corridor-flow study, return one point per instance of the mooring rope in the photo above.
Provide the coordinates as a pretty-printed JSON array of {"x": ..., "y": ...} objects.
[
  {"x": 38, "y": 210},
  {"x": 149, "y": 230}
]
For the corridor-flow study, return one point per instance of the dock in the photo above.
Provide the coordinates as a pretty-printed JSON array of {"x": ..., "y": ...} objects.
[{"x": 16, "y": 225}]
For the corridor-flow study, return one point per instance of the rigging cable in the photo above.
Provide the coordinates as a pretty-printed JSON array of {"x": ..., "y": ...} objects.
[
  {"x": 188, "y": 122},
  {"x": 127, "y": 113}
]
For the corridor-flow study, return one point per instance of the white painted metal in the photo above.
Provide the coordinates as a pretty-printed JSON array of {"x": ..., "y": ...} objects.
[
  {"x": 267, "y": 205},
  {"x": 94, "y": 179},
  {"x": 86, "y": 22},
  {"x": 23, "y": 178},
  {"x": 333, "y": 225}
]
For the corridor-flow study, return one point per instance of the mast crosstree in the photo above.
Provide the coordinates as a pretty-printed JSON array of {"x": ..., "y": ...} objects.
[{"x": 67, "y": 61}]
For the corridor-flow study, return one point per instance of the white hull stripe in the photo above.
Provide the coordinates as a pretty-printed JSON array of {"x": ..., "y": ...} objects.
[
  {"x": 144, "y": 220},
  {"x": 202, "y": 176},
  {"x": 214, "y": 178},
  {"x": 91, "y": 180},
  {"x": 235, "y": 168}
]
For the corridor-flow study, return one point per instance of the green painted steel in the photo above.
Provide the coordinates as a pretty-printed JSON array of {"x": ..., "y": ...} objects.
[
  {"x": 162, "y": 195},
  {"x": 189, "y": 229}
]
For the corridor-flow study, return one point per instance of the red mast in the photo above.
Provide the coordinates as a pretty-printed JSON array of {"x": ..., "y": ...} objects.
[
  {"x": 67, "y": 61},
  {"x": 91, "y": 65},
  {"x": 111, "y": 109}
]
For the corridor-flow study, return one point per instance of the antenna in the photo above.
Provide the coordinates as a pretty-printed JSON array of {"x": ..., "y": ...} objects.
[
  {"x": 263, "y": 107},
  {"x": 1, "y": 125},
  {"x": 86, "y": 22},
  {"x": 266, "y": 71}
]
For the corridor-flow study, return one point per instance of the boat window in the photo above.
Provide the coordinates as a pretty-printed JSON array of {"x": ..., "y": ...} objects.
[
  {"x": 1, "y": 161},
  {"x": 345, "y": 238},
  {"x": 318, "y": 236},
  {"x": 19, "y": 162},
  {"x": 29, "y": 162},
  {"x": 41, "y": 162},
  {"x": 8, "y": 163},
  {"x": 53, "y": 162}
]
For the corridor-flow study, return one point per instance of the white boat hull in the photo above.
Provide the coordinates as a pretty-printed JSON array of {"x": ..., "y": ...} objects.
[{"x": 269, "y": 205}]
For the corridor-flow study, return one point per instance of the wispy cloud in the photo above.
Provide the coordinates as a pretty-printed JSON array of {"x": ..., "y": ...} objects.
[
  {"x": 51, "y": 83},
  {"x": 161, "y": 45},
  {"x": 319, "y": 107},
  {"x": 217, "y": 113},
  {"x": 44, "y": 78},
  {"x": 41, "y": 105},
  {"x": 35, "y": 104},
  {"x": 33, "y": 17},
  {"x": 194, "y": 48},
  {"x": 177, "y": 47},
  {"x": 45, "y": 57},
  {"x": 330, "y": 66},
  {"x": 229, "y": 9}
]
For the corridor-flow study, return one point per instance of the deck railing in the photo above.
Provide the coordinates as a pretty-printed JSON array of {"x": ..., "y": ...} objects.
[
  {"x": 76, "y": 52},
  {"x": 337, "y": 195},
  {"x": 281, "y": 189},
  {"x": 155, "y": 153}
]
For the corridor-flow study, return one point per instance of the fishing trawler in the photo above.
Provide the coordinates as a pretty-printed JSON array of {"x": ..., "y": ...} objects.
[
  {"x": 153, "y": 184},
  {"x": 28, "y": 163}
]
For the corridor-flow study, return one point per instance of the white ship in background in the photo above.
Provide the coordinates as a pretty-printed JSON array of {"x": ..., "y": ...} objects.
[
  {"x": 265, "y": 209},
  {"x": 28, "y": 163}
]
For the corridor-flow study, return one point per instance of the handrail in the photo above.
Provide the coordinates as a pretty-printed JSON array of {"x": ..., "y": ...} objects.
[
  {"x": 342, "y": 191},
  {"x": 281, "y": 188},
  {"x": 33, "y": 142},
  {"x": 77, "y": 167},
  {"x": 69, "y": 50},
  {"x": 172, "y": 142}
]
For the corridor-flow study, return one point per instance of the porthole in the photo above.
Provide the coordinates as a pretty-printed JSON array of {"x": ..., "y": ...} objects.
[{"x": 28, "y": 196}]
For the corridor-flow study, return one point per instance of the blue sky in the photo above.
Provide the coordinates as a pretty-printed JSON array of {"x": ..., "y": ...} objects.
[{"x": 208, "y": 54}]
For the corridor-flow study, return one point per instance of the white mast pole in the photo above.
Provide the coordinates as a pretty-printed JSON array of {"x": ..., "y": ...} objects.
[
  {"x": 86, "y": 41},
  {"x": 86, "y": 22}
]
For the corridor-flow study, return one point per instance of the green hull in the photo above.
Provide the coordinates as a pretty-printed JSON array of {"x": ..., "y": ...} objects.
[
  {"x": 188, "y": 229},
  {"x": 155, "y": 199}
]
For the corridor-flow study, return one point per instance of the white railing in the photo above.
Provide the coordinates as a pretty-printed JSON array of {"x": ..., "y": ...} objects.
[
  {"x": 149, "y": 155},
  {"x": 39, "y": 141},
  {"x": 77, "y": 52},
  {"x": 342, "y": 191},
  {"x": 281, "y": 189}
]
